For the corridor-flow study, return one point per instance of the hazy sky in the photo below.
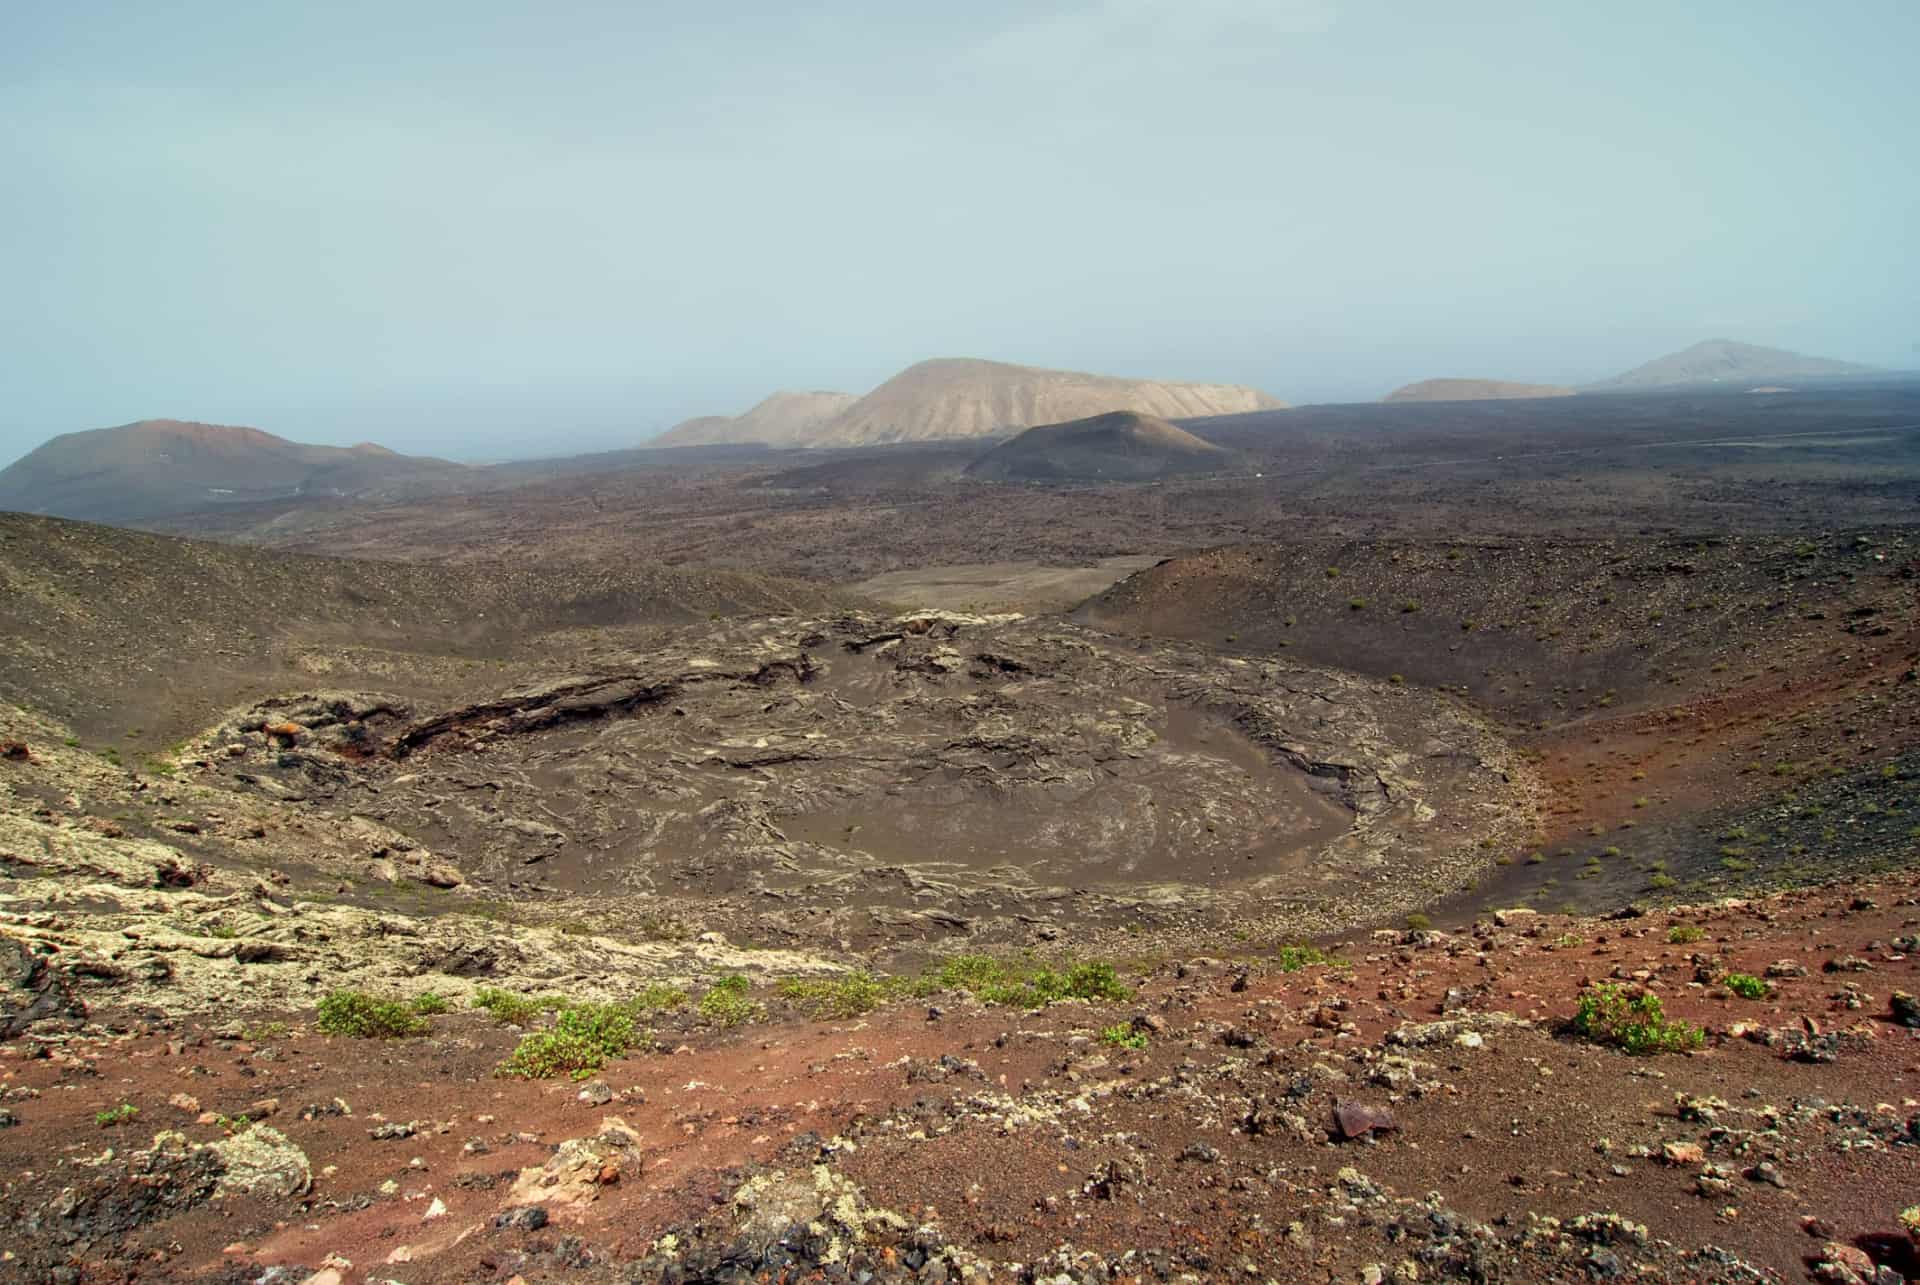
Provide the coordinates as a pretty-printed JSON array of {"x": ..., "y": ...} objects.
[{"x": 478, "y": 227}]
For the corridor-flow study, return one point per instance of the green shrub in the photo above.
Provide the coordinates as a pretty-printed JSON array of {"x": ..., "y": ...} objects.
[
  {"x": 125, "y": 1113},
  {"x": 1636, "y": 1024},
  {"x": 1096, "y": 981},
  {"x": 428, "y": 1003},
  {"x": 510, "y": 1009},
  {"x": 1122, "y": 1035},
  {"x": 1685, "y": 934},
  {"x": 659, "y": 998},
  {"x": 1418, "y": 922},
  {"x": 1746, "y": 985},
  {"x": 1020, "y": 983},
  {"x": 727, "y": 1004},
  {"x": 1292, "y": 959},
  {"x": 839, "y": 997},
  {"x": 362, "y": 1017},
  {"x": 584, "y": 1037},
  {"x": 1661, "y": 882}
]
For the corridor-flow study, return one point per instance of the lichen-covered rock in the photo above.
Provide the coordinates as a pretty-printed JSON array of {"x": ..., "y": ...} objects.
[{"x": 261, "y": 1162}]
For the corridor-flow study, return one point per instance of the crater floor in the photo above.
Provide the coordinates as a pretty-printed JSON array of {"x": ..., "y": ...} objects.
[{"x": 928, "y": 773}]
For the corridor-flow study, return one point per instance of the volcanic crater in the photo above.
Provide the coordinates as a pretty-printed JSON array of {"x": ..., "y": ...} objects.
[{"x": 933, "y": 773}]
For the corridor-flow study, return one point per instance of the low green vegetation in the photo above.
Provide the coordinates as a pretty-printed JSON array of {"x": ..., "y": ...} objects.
[
  {"x": 727, "y": 1004},
  {"x": 660, "y": 998},
  {"x": 362, "y": 1016},
  {"x": 510, "y": 1009},
  {"x": 1635, "y": 1024},
  {"x": 1746, "y": 985},
  {"x": 842, "y": 997},
  {"x": 1123, "y": 1035},
  {"x": 1291, "y": 959},
  {"x": 428, "y": 1003},
  {"x": 125, "y": 1113},
  {"x": 1685, "y": 934},
  {"x": 584, "y": 1038},
  {"x": 1022, "y": 983},
  {"x": 1418, "y": 922}
]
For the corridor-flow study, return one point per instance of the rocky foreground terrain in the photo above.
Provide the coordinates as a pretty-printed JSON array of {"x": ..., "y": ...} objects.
[
  {"x": 266, "y": 1023},
  {"x": 1404, "y": 1105}
]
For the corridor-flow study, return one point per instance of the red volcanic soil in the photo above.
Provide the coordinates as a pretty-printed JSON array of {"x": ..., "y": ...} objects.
[{"x": 1000, "y": 1136}]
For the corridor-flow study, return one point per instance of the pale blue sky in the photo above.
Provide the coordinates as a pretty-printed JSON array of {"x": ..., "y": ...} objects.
[{"x": 479, "y": 228}]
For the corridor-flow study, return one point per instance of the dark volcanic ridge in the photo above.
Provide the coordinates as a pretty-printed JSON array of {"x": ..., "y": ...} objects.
[
  {"x": 134, "y": 637},
  {"x": 158, "y": 467},
  {"x": 1119, "y": 446}
]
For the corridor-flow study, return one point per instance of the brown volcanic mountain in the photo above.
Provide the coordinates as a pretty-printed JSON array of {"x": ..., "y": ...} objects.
[
  {"x": 701, "y": 430},
  {"x": 1472, "y": 390},
  {"x": 1120, "y": 446},
  {"x": 962, "y": 397},
  {"x": 163, "y": 466},
  {"x": 782, "y": 419},
  {"x": 1724, "y": 361}
]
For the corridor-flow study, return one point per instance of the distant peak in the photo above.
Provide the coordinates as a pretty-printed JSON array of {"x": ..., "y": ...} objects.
[{"x": 1716, "y": 361}]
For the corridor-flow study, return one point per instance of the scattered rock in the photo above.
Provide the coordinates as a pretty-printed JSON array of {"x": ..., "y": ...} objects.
[
  {"x": 1357, "y": 1119},
  {"x": 522, "y": 1218},
  {"x": 261, "y": 1162},
  {"x": 441, "y": 874}
]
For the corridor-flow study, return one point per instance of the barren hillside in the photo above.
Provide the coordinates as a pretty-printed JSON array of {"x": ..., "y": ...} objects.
[
  {"x": 962, "y": 397},
  {"x": 782, "y": 419},
  {"x": 158, "y": 467},
  {"x": 131, "y": 636},
  {"x": 1719, "y": 361},
  {"x": 1121, "y": 446},
  {"x": 1472, "y": 390}
]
